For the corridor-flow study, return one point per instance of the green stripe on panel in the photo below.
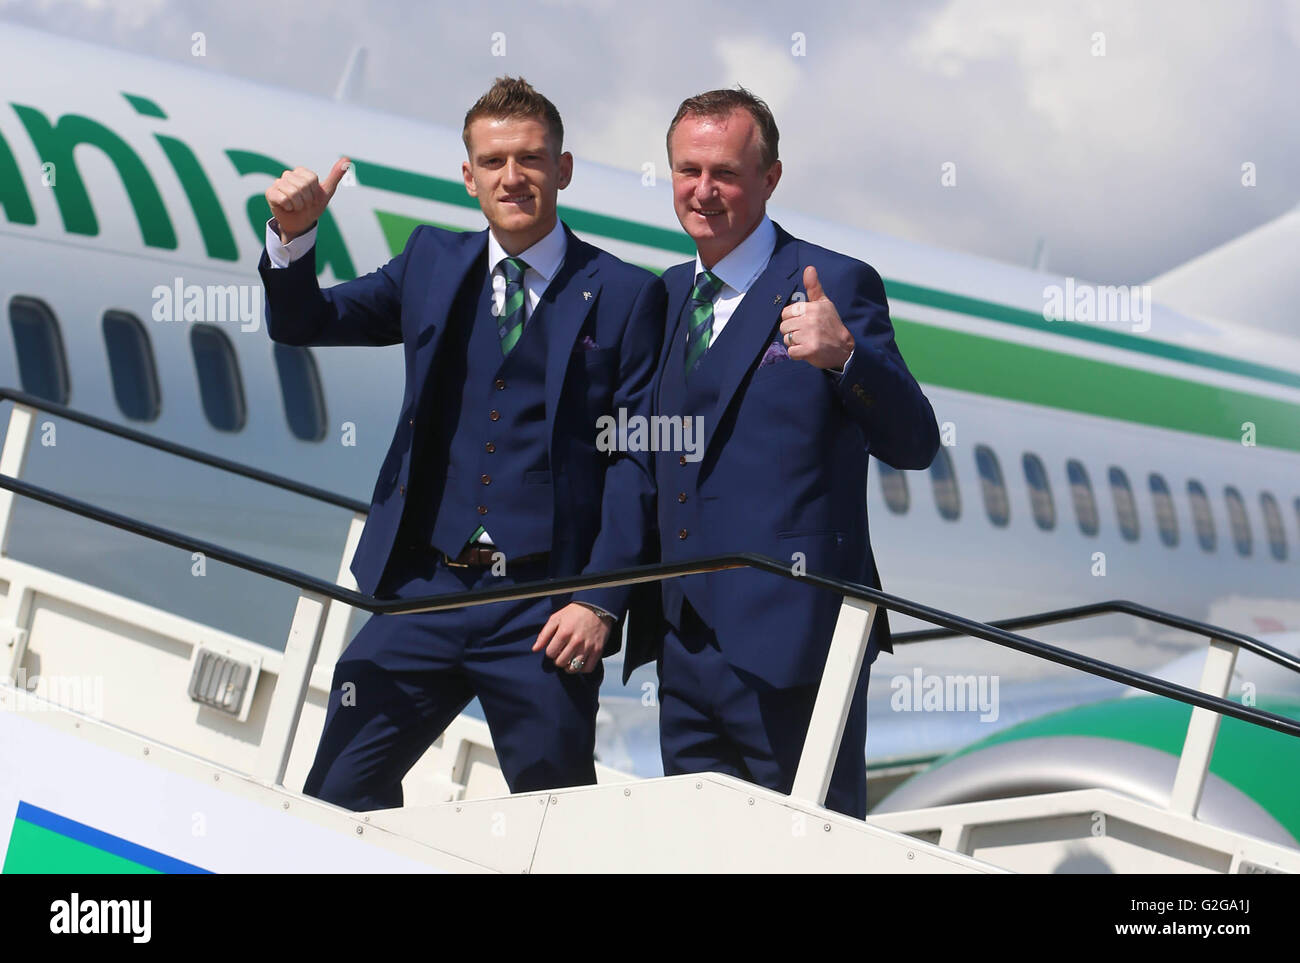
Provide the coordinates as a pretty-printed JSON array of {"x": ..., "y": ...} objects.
[
  {"x": 398, "y": 227},
  {"x": 35, "y": 849},
  {"x": 1017, "y": 372},
  {"x": 1263, "y": 764},
  {"x": 990, "y": 311}
]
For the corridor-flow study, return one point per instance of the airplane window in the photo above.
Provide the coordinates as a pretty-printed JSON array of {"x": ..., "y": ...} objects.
[
  {"x": 1273, "y": 525},
  {"x": 219, "y": 385},
  {"x": 1202, "y": 515},
  {"x": 894, "y": 484},
  {"x": 1125, "y": 505},
  {"x": 996, "y": 502},
  {"x": 944, "y": 479},
  {"x": 1166, "y": 517},
  {"x": 1040, "y": 492},
  {"x": 300, "y": 388},
  {"x": 131, "y": 366},
  {"x": 1238, "y": 521},
  {"x": 38, "y": 346},
  {"x": 1085, "y": 506}
]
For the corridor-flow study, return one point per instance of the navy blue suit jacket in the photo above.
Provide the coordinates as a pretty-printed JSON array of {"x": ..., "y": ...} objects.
[
  {"x": 602, "y": 499},
  {"x": 784, "y": 465}
]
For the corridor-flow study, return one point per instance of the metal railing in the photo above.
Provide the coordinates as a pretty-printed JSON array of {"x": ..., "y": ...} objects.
[
  {"x": 1117, "y": 607},
  {"x": 843, "y": 663}
]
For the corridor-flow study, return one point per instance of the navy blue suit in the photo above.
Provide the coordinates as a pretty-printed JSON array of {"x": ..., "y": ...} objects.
[
  {"x": 506, "y": 442},
  {"x": 783, "y": 473}
]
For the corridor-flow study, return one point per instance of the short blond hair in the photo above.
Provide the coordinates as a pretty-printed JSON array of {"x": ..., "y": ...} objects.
[{"x": 514, "y": 97}]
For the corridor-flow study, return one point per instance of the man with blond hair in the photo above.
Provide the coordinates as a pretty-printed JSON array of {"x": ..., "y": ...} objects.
[{"x": 518, "y": 339}]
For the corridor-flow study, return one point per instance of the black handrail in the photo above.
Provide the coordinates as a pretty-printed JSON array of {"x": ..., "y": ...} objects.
[
  {"x": 184, "y": 451},
  {"x": 1118, "y": 607},
  {"x": 950, "y": 624},
  {"x": 655, "y": 573},
  {"x": 1114, "y": 606}
]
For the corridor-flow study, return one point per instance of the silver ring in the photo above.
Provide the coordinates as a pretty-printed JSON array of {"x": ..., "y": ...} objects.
[
  {"x": 789, "y": 339},
  {"x": 576, "y": 663}
]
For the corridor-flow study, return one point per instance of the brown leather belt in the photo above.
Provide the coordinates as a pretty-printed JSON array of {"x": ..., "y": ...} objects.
[{"x": 485, "y": 555}]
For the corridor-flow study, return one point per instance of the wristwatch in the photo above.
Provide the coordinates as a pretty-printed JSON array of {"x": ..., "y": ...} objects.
[{"x": 607, "y": 617}]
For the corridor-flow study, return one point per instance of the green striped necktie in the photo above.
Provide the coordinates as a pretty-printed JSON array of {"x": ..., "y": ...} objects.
[
  {"x": 510, "y": 325},
  {"x": 700, "y": 320}
]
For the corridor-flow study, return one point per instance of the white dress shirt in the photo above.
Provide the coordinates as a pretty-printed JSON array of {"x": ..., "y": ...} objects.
[{"x": 738, "y": 271}]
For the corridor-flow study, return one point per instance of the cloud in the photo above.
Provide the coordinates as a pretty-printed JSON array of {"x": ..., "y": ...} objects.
[
  {"x": 1128, "y": 163},
  {"x": 749, "y": 60}
]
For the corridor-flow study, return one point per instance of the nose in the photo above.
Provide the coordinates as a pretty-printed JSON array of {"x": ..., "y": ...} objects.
[
  {"x": 513, "y": 173},
  {"x": 705, "y": 189}
]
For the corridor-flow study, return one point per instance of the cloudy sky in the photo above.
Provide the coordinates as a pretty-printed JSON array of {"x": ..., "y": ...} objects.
[{"x": 1116, "y": 131}]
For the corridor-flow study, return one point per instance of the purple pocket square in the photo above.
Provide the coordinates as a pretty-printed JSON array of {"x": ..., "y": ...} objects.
[
  {"x": 586, "y": 344},
  {"x": 775, "y": 353}
]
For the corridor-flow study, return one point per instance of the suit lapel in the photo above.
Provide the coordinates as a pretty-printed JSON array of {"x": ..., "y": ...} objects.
[
  {"x": 448, "y": 276},
  {"x": 569, "y": 299},
  {"x": 678, "y": 281},
  {"x": 749, "y": 330}
]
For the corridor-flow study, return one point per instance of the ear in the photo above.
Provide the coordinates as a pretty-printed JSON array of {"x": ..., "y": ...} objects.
[
  {"x": 467, "y": 172},
  {"x": 566, "y": 169},
  {"x": 772, "y": 177}
]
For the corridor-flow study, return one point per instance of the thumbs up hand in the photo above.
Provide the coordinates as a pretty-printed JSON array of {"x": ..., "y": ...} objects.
[
  {"x": 812, "y": 330},
  {"x": 298, "y": 199}
]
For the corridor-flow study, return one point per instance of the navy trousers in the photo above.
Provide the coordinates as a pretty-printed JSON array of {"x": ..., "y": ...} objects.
[
  {"x": 405, "y": 677},
  {"x": 714, "y": 719}
]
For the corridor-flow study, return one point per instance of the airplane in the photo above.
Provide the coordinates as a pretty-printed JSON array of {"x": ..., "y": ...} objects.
[{"x": 1097, "y": 444}]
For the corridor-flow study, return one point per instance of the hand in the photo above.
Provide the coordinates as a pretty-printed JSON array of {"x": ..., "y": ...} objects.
[
  {"x": 298, "y": 199},
  {"x": 574, "y": 632},
  {"x": 812, "y": 330}
]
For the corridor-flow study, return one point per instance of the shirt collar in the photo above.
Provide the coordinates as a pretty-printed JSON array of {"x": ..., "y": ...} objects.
[
  {"x": 741, "y": 268},
  {"x": 544, "y": 257}
]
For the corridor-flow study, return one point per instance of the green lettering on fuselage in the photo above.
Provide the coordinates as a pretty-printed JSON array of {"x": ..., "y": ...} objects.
[
  {"x": 330, "y": 249},
  {"x": 13, "y": 195},
  {"x": 213, "y": 226},
  {"x": 56, "y": 143}
]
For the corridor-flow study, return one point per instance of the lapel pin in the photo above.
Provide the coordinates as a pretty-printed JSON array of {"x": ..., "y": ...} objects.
[
  {"x": 586, "y": 295},
  {"x": 777, "y": 299}
]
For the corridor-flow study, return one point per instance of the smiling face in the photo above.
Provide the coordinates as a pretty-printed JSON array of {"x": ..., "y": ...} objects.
[
  {"x": 720, "y": 186},
  {"x": 515, "y": 174}
]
